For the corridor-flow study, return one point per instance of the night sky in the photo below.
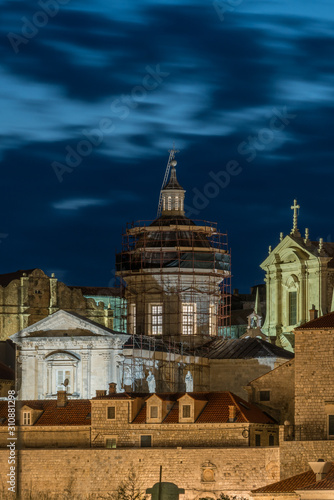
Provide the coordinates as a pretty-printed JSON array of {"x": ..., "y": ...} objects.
[{"x": 93, "y": 94}]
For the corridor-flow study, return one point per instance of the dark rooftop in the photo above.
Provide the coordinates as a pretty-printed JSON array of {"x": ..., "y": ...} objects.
[{"x": 246, "y": 348}]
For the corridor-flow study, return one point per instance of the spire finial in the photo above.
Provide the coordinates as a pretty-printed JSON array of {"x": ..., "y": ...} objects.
[{"x": 295, "y": 207}]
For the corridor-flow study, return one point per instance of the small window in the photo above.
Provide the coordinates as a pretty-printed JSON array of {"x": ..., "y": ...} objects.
[
  {"x": 292, "y": 308},
  {"x": 264, "y": 395},
  {"x": 186, "y": 411},
  {"x": 154, "y": 412},
  {"x": 257, "y": 439},
  {"x": 271, "y": 440},
  {"x": 156, "y": 315},
  {"x": 145, "y": 441},
  {"x": 331, "y": 426},
  {"x": 111, "y": 443},
  {"x": 111, "y": 413},
  {"x": 26, "y": 418}
]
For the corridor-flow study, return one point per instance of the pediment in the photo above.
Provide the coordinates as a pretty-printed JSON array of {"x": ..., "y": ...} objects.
[
  {"x": 69, "y": 322},
  {"x": 290, "y": 249}
]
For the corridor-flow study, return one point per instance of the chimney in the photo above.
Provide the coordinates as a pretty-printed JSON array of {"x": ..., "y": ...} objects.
[
  {"x": 235, "y": 291},
  {"x": 61, "y": 399},
  {"x": 320, "y": 468},
  {"x": 100, "y": 393},
  {"x": 313, "y": 313},
  {"x": 232, "y": 412},
  {"x": 112, "y": 388}
]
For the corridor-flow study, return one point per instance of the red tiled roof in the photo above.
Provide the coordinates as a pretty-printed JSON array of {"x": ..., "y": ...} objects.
[
  {"x": 74, "y": 413},
  {"x": 215, "y": 411},
  {"x": 304, "y": 481},
  {"x": 326, "y": 321}
]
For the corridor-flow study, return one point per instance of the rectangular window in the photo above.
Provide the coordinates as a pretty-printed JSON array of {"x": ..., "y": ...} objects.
[
  {"x": 111, "y": 443},
  {"x": 292, "y": 308},
  {"x": 156, "y": 318},
  {"x": 132, "y": 319},
  {"x": 331, "y": 426},
  {"x": 257, "y": 439},
  {"x": 169, "y": 203},
  {"x": 271, "y": 440},
  {"x": 212, "y": 319},
  {"x": 154, "y": 412},
  {"x": 26, "y": 418},
  {"x": 63, "y": 380},
  {"x": 111, "y": 412},
  {"x": 145, "y": 441},
  {"x": 264, "y": 395},
  {"x": 188, "y": 318},
  {"x": 186, "y": 411}
]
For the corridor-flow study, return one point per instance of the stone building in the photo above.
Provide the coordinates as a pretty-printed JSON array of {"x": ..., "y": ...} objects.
[
  {"x": 29, "y": 296},
  {"x": 202, "y": 419},
  {"x": 299, "y": 277},
  {"x": 177, "y": 273},
  {"x": 7, "y": 380}
]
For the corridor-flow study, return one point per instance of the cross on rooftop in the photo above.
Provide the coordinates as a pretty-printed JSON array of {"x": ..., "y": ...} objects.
[{"x": 295, "y": 207}]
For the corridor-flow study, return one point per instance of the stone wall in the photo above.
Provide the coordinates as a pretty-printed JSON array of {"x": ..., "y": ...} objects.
[
  {"x": 233, "y": 374},
  {"x": 295, "y": 455},
  {"x": 236, "y": 471},
  {"x": 49, "y": 436},
  {"x": 280, "y": 382},
  {"x": 31, "y": 298},
  {"x": 314, "y": 373}
]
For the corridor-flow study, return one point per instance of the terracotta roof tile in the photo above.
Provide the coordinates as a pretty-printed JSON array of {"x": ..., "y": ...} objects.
[
  {"x": 215, "y": 411},
  {"x": 76, "y": 412},
  {"x": 304, "y": 481},
  {"x": 326, "y": 321}
]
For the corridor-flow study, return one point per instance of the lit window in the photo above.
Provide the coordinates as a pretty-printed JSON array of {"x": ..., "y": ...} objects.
[
  {"x": 145, "y": 441},
  {"x": 188, "y": 318},
  {"x": 169, "y": 203},
  {"x": 264, "y": 395},
  {"x": 331, "y": 426},
  {"x": 132, "y": 319},
  {"x": 111, "y": 443},
  {"x": 212, "y": 319},
  {"x": 26, "y": 418},
  {"x": 292, "y": 308},
  {"x": 176, "y": 203},
  {"x": 186, "y": 411},
  {"x": 154, "y": 412},
  {"x": 111, "y": 412},
  {"x": 156, "y": 315},
  {"x": 63, "y": 380}
]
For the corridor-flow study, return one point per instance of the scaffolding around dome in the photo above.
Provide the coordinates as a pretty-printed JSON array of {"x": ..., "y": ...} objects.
[{"x": 176, "y": 279}]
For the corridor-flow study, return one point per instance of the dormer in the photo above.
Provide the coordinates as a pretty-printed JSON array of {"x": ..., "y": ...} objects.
[
  {"x": 29, "y": 416},
  {"x": 157, "y": 408},
  {"x": 189, "y": 408}
]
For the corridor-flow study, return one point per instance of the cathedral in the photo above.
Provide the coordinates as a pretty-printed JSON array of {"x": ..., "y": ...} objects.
[{"x": 299, "y": 283}]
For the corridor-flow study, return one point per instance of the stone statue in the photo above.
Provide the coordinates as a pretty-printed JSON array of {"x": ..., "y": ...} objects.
[
  {"x": 151, "y": 382},
  {"x": 189, "y": 382}
]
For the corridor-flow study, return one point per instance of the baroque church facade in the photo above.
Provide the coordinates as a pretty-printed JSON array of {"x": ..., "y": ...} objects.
[{"x": 299, "y": 279}]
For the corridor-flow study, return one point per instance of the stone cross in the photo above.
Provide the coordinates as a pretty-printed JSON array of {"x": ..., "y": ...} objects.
[{"x": 295, "y": 209}]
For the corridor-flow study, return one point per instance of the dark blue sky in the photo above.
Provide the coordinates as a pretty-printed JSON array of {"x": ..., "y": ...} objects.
[{"x": 244, "y": 88}]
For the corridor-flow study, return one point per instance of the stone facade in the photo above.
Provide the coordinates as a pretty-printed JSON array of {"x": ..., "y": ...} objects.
[
  {"x": 299, "y": 277},
  {"x": 29, "y": 296},
  {"x": 274, "y": 392}
]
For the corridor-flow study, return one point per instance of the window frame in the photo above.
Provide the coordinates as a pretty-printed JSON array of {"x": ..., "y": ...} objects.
[
  {"x": 293, "y": 308},
  {"x": 189, "y": 327},
  {"x": 330, "y": 417},
  {"x": 110, "y": 438},
  {"x": 154, "y": 407},
  {"x": 26, "y": 417},
  {"x": 257, "y": 439},
  {"x": 146, "y": 435},
  {"x": 261, "y": 393},
  {"x": 186, "y": 406},
  {"x": 156, "y": 318},
  {"x": 107, "y": 412}
]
